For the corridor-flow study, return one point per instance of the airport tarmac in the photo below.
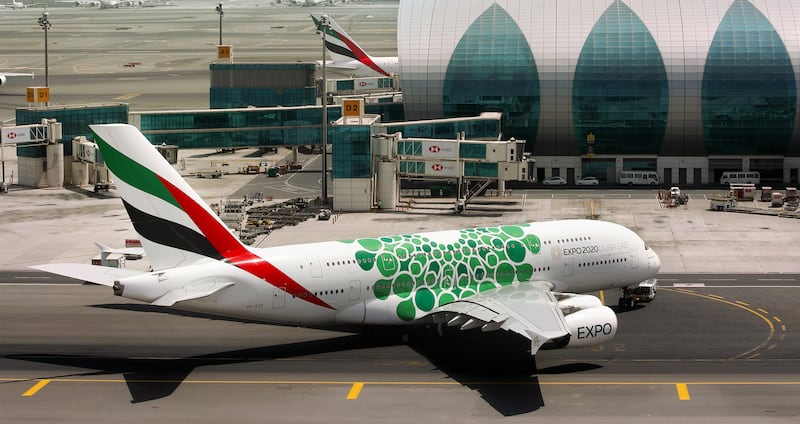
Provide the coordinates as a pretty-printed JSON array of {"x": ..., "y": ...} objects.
[
  {"x": 719, "y": 344},
  {"x": 710, "y": 348},
  {"x": 690, "y": 239},
  {"x": 157, "y": 58}
]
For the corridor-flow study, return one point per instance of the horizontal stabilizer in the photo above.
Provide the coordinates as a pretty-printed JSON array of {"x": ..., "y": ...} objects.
[
  {"x": 127, "y": 251},
  {"x": 190, "y": 292},
  {"x": 351, "y": 65},
  {"x": 103, "y": 275},
  {"x": 16, "y": 74}
]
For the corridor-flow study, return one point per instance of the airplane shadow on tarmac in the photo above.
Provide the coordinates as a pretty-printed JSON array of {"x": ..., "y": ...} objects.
[{"x": 497, "y": 365}]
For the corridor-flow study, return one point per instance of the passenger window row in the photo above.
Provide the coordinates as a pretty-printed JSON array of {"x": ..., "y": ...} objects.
[
  {"x": 573, "y": 240},
  {"x": 603, "y": 262}
]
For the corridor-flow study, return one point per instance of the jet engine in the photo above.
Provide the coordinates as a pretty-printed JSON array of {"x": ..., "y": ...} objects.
[
  {"x": 589, "y": 322},
  {"x": 2, "y": 80},
  {"x": 591, "y": 326}
]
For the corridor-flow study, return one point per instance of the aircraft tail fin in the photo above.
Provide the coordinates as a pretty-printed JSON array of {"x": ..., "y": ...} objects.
[
  {"x": 342, "y": 47},
  {"x": 175, "y": 225}
]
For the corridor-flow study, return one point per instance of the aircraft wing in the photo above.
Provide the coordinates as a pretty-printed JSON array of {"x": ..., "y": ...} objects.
[
  {"x": 528, "y": 310},
  {"x": 103, "y": 275}
]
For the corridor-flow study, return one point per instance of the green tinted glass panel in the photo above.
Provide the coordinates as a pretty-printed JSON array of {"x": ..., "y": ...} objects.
[
  {"x": 749, "y": 90},
  {"x": 351, "y": 151},
  {"x": 473, "y": 151},
  {"x": 492, "y": 69},
  {"x": 620, "y": 89},
  {"x": 480, "y": 169},
  {"x": 75, "y": 120}
]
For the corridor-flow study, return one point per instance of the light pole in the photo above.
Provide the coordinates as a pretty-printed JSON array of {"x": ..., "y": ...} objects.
[
  {"x": 219, "y": 10},
  {"x": 324, "y": 24},
  {"x": 45, "y": 24}
]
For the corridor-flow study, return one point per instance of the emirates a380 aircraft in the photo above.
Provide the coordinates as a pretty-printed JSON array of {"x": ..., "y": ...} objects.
[
  {"x": 347, "y": 55},
  {"x": 523, "y": 278}
]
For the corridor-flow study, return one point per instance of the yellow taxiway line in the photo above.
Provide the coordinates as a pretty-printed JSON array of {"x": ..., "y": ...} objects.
[
  {"x": 36, "y": 387},
  {"x": 357, "y": 387},
  {"x": 355, "y": 391},
  {"x": 683, "y": 391}
]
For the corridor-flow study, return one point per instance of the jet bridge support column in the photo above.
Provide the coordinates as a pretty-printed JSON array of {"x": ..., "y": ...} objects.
[{"x": 55, "y": 165}]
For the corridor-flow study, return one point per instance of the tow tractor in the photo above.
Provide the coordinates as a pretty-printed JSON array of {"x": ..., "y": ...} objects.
[{"x": 645, "y": 291}]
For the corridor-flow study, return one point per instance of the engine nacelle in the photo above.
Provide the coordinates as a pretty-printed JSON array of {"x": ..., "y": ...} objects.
[
  {"x": 577, "y": 302},
  {"x": 2, "y": 80},
  {"x": 591, "y": 326}
]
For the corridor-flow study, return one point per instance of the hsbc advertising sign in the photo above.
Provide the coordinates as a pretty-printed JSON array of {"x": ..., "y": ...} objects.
[
  {"x": 366, "y": 83},
  {"x": 15, "y": 135},
  {"x": 441, "y": 169},
  {"x": 438, "y": 149}
]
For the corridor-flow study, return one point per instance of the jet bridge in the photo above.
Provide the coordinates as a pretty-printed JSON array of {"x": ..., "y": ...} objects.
[
  {"x": 36, "y": 172},
  {"x": 473, "y": 164}
]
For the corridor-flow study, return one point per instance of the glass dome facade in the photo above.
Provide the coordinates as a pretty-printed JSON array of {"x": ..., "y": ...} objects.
[{"x": 641, "y": 77}]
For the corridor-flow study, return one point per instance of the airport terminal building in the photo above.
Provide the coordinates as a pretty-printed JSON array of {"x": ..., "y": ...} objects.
[{"x": 689, "y": 89}]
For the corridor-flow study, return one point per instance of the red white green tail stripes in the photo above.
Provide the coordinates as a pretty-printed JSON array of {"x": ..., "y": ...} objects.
[
  {"x": 177, "y": 227},
  {"x": 340, "y": 44}
]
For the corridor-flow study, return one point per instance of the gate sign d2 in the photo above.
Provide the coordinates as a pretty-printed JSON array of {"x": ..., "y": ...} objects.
[
  {"x": 353, "y": 108},
  {"x": 15, "y": 135}
]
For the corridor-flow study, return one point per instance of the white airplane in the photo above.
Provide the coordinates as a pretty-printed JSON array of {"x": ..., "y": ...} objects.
[
  {"x": 348, "y": 55},
  {"x": 520, "y": 278},
  {"x": 116, "y": 4},
  {"x": 14, "y": 5},
  {"x": 4, "y": 76},
  {"x": 82, "y": 3},
  {"x": 307, "y": 3}
]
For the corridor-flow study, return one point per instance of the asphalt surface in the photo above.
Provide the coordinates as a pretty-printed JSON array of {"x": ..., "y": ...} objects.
[{"x": 710, "y": 347}]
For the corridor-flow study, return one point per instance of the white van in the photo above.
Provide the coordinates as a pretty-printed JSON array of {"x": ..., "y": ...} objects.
[
  {"x": 740, "y": 177},
  {"x": 639, "y": 178}
]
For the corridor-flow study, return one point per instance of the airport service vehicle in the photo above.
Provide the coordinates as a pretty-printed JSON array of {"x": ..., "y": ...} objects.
[
  {"x": 209, "y": 174},
  {"x": 675, "y": 192},
  {"x": 587, "y": 181},
  {"x": 555, "y": 181},
  {"x": 722, "y": 202},
  {"x": 348, "y": 55},
  {"x": 645, "y": 291},
  {"x": 740, "y": 177},
  {"x": 524, "y": 278},
  {"x": 639, "y": 178}
]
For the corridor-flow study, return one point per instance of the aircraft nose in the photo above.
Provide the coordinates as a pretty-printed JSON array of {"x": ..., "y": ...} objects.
[{"x": 654, "y": 262}]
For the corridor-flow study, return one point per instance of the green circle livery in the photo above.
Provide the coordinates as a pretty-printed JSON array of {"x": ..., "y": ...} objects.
[{"x": 423, "y": 274}]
